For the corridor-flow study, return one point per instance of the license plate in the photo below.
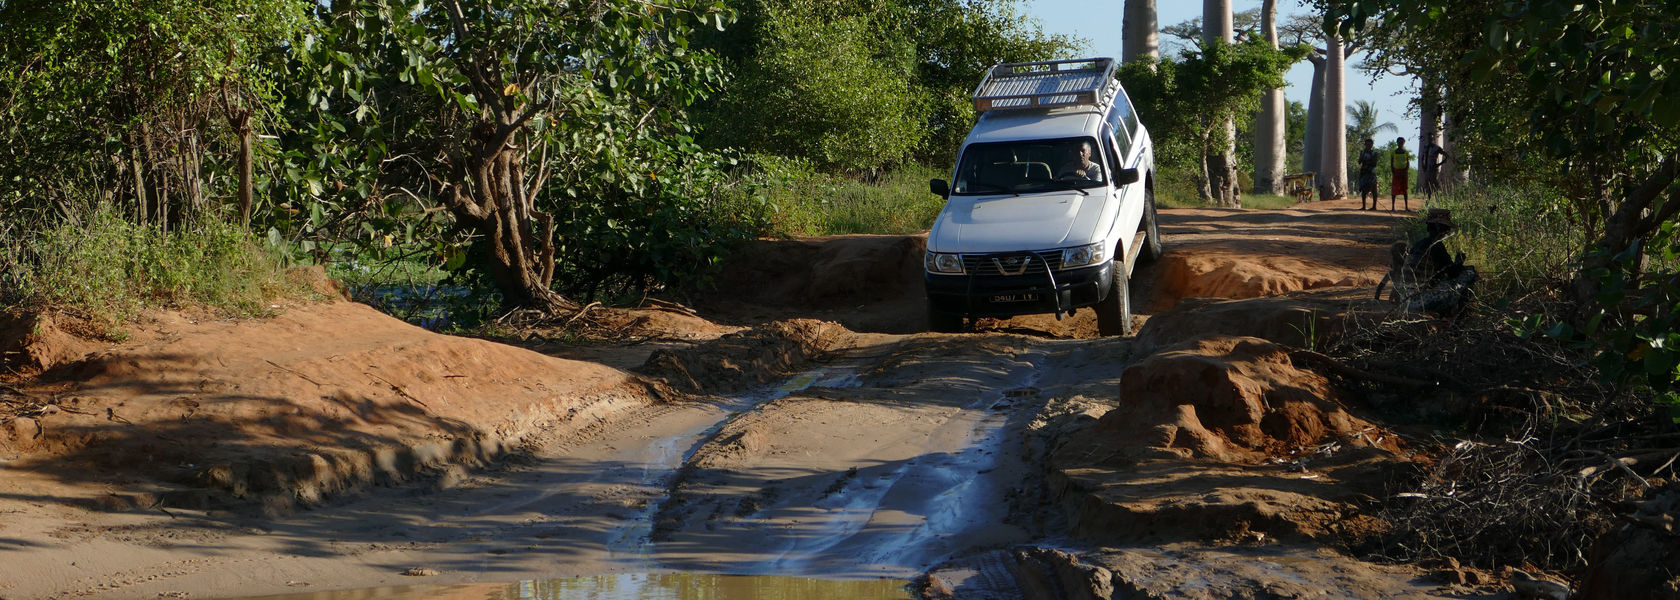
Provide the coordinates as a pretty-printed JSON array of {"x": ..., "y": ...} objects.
[{"x": 1015, "y": 298}]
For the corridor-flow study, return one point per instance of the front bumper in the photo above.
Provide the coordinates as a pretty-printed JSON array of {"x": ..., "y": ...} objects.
[{"x": 1000, "y": 295}]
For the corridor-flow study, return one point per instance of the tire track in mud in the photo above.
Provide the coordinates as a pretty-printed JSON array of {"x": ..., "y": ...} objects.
[{"x": 883, "y": 478}]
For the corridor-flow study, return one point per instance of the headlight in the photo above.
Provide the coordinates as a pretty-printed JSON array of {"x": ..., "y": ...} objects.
[
  {"x": 936, "y": 262},
  {"x": 1083, "y": 256}
]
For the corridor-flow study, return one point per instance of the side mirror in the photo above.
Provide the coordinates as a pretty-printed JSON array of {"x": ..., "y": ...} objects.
[
  {"x": 1125, "y": 177},
  {"x": 938, "y": 186}
]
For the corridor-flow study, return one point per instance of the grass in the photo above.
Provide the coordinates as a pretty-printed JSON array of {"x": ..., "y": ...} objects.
[
  {"x": 110, "y": 270},
  {"x": 1519, "y": 238},
  {"x": 806, "y": 203}
]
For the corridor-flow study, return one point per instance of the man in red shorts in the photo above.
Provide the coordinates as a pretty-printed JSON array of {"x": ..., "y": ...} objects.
[{"x": 1401, "y": 164}]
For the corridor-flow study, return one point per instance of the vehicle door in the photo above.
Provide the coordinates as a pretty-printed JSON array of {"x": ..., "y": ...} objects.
[{"x": 1130, "y": 198}]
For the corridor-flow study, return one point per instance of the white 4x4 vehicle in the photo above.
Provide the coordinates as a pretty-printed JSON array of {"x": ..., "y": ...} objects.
[{"x": 1052, "y": 202}]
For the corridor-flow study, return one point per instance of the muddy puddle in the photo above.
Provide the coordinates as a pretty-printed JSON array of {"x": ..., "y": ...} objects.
[
  {"x": 633, "y": 586},
  {"x": 631, "y": 542}
]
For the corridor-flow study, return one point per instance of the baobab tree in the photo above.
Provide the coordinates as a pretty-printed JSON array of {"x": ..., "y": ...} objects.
[
  {"x": 1332, "y": 172},
  {"x": 1309, "y": 30},
  {"x": 1140, "y": 37},
  {"x": 1269, "y": 149},
  {"x": 1221, "y": 161}
]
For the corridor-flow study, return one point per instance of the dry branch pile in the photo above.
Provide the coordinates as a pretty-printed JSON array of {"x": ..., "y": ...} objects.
[{"x": 1534, "y": 457}]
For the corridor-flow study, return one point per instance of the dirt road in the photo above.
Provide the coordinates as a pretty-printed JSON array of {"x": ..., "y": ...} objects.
[{"x": 800, "y": 448}]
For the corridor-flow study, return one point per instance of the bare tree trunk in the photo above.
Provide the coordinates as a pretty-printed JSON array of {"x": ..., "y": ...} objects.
[
  {"x": 241, "y": 122},
  {"x": 1312, "y": 155},
  {"x": 1269, "y": 150},
  {"x": 1141, "y": 35},
  {"x": 1332, "y": 177},
  {"x": 491, "y": 197},
  {"x": 1222, "y": 157},
  {"x": 136, "y": 165}
]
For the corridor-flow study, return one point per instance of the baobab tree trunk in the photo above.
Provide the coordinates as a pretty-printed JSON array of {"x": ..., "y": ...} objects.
[
  {"x": 1222, "y": 156},
  {"x": 1269, "y": 149},
  {"x": 1332, "y": 176},
  {"x": 1141, "y": 36},
  {"x": 1453, "y": 172},
  {"x": 1312, "y": 156},
  {"x": 1429, "y": 130}
]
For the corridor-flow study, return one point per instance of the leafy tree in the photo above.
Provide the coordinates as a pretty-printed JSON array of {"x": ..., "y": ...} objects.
[
  {"x": 832, "y": 86},
  {"x": 147, "y": 105},
  {"x": 1295, "y": 124},
  {"x": 1585, "y": 86},
  {"x": 861, "y": 84},
  {"x": 957, "y": 42},
  {"x": 511, "y": 113},
  {"x": 1186, "y": 101}
]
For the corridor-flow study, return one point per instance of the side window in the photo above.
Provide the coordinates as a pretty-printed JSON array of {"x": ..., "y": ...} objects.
[
  {"x": 1118, "y": 129},
  {"x": 1123, "y": 104}
]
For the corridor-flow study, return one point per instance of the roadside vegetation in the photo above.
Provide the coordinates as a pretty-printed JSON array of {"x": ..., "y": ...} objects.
[
  {"x": 429, "y": 146},
  {"x": 1569, "y": 214}
]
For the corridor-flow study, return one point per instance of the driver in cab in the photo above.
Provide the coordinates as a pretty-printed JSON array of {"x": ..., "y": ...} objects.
[{"x": 1079, "y": 165}]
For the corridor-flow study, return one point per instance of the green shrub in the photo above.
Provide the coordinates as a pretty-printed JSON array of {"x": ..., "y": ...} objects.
[
  {"x": 110, "y": 269},
  {"x": 805, "y": 202}
]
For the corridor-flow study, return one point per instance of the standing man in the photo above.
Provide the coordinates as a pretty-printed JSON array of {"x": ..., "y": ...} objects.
[
  {"x": 1368, "y": 174},
  {"x": 1401, "y": 164}
]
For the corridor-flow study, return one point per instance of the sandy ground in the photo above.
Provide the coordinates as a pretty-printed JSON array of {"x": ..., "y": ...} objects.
[{"x": 331, "y": 448}]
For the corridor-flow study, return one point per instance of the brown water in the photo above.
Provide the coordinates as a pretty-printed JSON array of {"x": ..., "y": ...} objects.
[{"x": 634, "y": 586}]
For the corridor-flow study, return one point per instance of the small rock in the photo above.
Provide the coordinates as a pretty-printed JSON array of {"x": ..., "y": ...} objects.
[{"x": 420, "y": 572}]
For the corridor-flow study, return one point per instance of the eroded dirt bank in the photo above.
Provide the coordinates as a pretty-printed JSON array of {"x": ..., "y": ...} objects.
[{"x": 798, "y": 424}]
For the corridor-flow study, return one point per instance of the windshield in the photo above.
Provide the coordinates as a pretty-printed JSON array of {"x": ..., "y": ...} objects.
[{"x": 1030, "y": 166}]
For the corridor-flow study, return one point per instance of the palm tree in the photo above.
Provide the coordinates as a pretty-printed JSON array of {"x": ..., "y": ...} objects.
[{"x": 1362, "y": 122}]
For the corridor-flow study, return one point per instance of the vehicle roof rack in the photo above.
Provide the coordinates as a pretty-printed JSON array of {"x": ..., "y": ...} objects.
[{"x": 1046, "y": 84}]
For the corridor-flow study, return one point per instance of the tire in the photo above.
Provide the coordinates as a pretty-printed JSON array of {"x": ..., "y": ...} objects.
[
  {"x": 1152, "y": 247},
  {"x": 943, "y": 322},
  {"x": 1114, "y": 312}
]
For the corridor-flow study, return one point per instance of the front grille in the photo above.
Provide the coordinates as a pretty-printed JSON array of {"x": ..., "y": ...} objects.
[{"x": 983, "y": 264}]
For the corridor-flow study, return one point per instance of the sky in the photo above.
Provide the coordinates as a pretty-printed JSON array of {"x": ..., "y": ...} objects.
[{"x": 1099, "y": 23}]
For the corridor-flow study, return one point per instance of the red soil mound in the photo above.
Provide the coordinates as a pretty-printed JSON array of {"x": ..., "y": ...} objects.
[
  {"x": 292, "y": 407},
  {"x": 1232, "y": 399}
]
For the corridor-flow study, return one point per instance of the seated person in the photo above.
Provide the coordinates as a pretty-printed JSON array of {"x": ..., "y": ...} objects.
[
  {"x": 1441, "y": 284},
  {"x": 1079, "y": 163}
]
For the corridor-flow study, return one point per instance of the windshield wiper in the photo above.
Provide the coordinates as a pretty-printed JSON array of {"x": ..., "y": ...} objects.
[{"x": 1078, "y": 186}]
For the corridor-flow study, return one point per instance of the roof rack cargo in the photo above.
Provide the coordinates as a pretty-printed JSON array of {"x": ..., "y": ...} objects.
[{"x": 1046, "y": 84}]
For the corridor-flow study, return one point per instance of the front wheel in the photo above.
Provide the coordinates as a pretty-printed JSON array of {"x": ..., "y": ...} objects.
[
  {"x": 1114, "y": 312},
  {"x": 943, "y": 322},
  {"x": 1152, "y": 246}
]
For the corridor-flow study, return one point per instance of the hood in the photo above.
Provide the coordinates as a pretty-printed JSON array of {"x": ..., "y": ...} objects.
[{"x": 1011, "y": 223}]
